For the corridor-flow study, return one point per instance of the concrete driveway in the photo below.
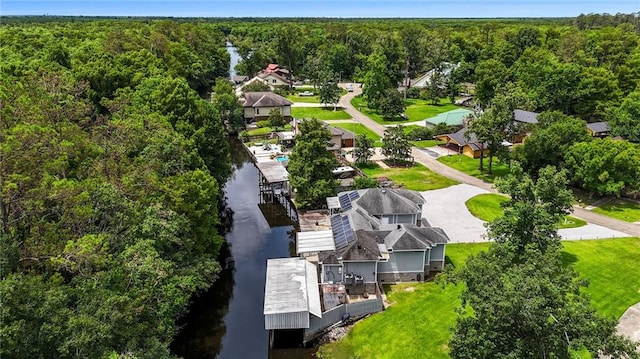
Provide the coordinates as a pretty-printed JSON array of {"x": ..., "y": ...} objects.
[
  {"x": 446, "y": 208},
  {"x": 629, "y": 323}
]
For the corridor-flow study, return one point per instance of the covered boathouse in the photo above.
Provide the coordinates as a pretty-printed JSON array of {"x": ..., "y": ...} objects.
[{"x": 291, "y": 295}]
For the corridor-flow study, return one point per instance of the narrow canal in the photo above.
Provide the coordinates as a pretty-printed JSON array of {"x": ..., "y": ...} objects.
[{"x": 227, "y": 320}]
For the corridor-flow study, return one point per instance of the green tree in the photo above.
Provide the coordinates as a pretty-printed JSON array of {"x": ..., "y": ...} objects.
[
  {"x": 329, "y": 91},
  {"x": 625, "y": 120},
  {"x": 549, "y": 142},
  {"x": 363, "y": 150},
  {"x": 526, "y": 303},
  {"x": 490, "y": 74},
  {"x": 395, "y": 145},
  {"x": 604, "y": 166},
  {"x": 375, "y": 80},
  {"x": 497, "y": 123},
  {"x": 275, "y": 119},
  {"x": 311, "y": 164},
  {"x": 227, "y": 105},
  {"x": 392, "y": 104}
]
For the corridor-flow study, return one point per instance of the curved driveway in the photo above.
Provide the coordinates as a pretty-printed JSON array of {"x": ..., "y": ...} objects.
[{"x": 434, "y": 165}]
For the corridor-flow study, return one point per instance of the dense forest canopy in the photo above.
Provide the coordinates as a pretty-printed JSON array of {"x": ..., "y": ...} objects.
[
  {"x": 112, "y": 163},
  {"x": 110, "y": 175}
]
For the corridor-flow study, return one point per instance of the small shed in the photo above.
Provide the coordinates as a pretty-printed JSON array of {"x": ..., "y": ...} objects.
[{"x": 291, "y": 294}]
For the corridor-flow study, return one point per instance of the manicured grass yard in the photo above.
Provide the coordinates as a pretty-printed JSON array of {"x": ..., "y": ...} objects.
[
  {"x": 320, "y": 113},
  {"x": 470, "y": 166},
  {"x": 424, "y": 143},
  {"x": 417, "y": 178},
  {"x": 417, "y": 324},
  {"x": 620, "y": 209},
  {"x": 359, "y": 129},
  {"x": 266, "y": 130},
  {"x": 307, "y": 99},
  {"x": 416, "y": 110},
  {"x": 487, "y": 208}
]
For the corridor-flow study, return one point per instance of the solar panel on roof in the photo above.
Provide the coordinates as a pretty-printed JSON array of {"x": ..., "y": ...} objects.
[
  {"x": 354, "y": 195},
  {"x": 345, "y": 202}
]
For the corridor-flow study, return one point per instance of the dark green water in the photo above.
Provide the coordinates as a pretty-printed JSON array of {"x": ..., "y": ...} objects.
[{"x": 227, "y": 320}]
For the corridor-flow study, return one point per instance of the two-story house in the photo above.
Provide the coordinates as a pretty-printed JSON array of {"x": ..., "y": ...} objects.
[
  {"x": 378, "y": 236},
  {"x": 258, "y": 105}
]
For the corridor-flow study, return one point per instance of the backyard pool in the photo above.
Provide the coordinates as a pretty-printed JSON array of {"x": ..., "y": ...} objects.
[{"x": 282, "y": 158}]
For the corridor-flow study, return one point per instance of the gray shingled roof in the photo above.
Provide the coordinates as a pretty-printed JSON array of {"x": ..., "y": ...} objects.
[
  {"x": 363, "y": 248},
  {"x": 377, "y": 201},
  {"x": 461, "y": 140},
  {"x": 598, "y": 127},
  {"x": 408, "y": 237},
  {"x": 264, "y": 99},
  {"x": 525, "y": 116}
]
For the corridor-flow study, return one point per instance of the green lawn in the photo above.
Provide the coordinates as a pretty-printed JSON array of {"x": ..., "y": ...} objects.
[
  {"x": 360, "y": 129},
  {"x": 319, "y": 112},
  {"x": 416, "y": 110},
  {"x": 307, "y": 99},
  {"x": 420, "y": 109},
  {"x": 417, "y": 178},
  {"x": 621, "y": 209},
  {"x": 265, "y": 130},
  {"x": 424, "y": 143},
  {"x": 417, "y": 324},
  {"x": 487, "y": 208},
  {"x": 470, "y": 166}
]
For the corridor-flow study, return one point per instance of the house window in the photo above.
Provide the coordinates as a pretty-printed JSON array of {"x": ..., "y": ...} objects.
[
  {"x": 274, "y": 81},
  {"x": 257, "y": 111}
]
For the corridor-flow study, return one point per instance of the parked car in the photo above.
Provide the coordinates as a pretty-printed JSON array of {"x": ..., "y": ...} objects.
[{"x": 349, "y": 87}]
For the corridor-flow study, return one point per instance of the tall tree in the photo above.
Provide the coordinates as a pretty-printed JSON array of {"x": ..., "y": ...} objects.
[
  {"x": 395, "y": 145},
  {"x": 549, "y": 142},
  {"x": 226, "y": 102},
  {"x": 311, "y": 164},
  {"x": 625, "y": 120},
  {"x": 526, "y": 303},
  {"x": 329, "y": 91},
  {"x": 392, "y": 104},
  {"x": 363, "y": 150},
  {"x": 375, "y": 80},
  {"x": 604, "y": 166}
]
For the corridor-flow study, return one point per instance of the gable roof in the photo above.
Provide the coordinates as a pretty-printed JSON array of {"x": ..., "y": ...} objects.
[
  {"x": 363, "y": 248},
  {"x": 598, "y": 127},
  {"x": 450, "y": 118},
  {"x": 337, "y": 131},
  {"x": 459, "y": 138},
  {"x": 525, "y": 116},
  {"x": 264, "y": 99},
  {"x": 409, "y": 237},
  {"x": 389, "y": 201}
]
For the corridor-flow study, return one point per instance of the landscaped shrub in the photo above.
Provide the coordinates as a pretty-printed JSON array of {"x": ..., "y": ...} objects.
[
  {"x": 420, "y": 133},
  {"x": 262, "y": 124},
  {"x": 413, "y": 92}
]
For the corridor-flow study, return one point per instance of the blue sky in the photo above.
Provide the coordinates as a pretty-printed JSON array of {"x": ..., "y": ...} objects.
[{"x": 316, "y": 8}]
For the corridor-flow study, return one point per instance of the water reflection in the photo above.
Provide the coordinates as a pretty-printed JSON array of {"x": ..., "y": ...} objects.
[{"x": 227, "y": 320}]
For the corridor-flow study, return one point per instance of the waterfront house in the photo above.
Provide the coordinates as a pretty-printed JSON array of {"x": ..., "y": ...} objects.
[
  {"x": 258, "y": 105},
  {"x": 378, "y": 235}
]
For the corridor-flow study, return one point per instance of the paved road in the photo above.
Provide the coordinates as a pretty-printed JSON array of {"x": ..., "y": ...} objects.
[{"x": 430, "y": 162}]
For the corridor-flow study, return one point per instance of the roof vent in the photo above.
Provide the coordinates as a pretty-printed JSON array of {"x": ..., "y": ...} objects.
[
  {"x": 399, "y": 226},
  {"x": 384, "y": 191}
]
